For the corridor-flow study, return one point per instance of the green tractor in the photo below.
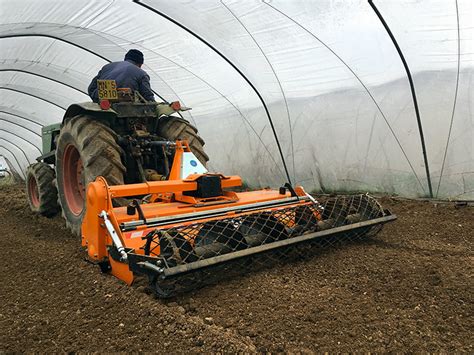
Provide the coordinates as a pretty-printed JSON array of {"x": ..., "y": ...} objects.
[{"x": 126, "y": 141}]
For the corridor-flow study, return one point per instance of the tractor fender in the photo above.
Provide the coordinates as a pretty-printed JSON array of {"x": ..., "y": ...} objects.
[{"x": 88, "y": 108}]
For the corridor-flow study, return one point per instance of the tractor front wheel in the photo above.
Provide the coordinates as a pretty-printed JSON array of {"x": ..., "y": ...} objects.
[
  {"x": 85, "y": 149},
  {"x": 42, "y": 194}
]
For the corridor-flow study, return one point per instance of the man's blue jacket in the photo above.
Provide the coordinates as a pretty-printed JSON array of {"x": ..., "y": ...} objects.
[{"x": 126, "y": 75}]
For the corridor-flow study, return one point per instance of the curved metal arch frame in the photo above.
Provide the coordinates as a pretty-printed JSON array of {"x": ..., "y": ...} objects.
[
  {"x": 454, "y": 101},
  {"x": 44, "y": 77},
  {"x": 17, "y": 35},
  {"x": 72, "y": 44},
  {"x": 33, "y": 95},
  {"x": 19, "y": 148},
  {"x": 21, "y": 126},
  {"x": 23, "y": 139},
  {"x": 3, "y": 110},
  {"x": 277, "y": 78},
  {"x": 413, "y": 93},
  {"x": 23, "y": 64},
  {"x": 20, "y": 170}
]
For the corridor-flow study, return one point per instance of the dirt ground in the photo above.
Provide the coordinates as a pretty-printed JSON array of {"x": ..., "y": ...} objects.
[{"x": 408, "y": 289}]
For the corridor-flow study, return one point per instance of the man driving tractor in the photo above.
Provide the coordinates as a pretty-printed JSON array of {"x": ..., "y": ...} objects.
[{"x": 127, "y": 74}]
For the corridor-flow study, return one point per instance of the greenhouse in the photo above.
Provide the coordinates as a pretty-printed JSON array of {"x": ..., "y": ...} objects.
[
  {"x": 236, "y": 176},
  {"x": 325, "y": 75}
]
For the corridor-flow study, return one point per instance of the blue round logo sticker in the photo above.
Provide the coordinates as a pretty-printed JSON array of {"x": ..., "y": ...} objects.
[{"x": 193, "y": 163}]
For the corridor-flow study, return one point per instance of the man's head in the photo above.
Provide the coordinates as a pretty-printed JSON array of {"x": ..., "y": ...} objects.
[{"x": 135, "y": 56}]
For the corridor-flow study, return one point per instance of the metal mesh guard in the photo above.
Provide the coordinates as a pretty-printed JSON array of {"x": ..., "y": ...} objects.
[{"x": 210, "y": 240}]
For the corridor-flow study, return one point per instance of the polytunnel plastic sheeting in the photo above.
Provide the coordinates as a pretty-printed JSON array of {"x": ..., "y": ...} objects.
[
  {"x": 8, "y": 157},
  {"x": 29, "y": 141},
  {"x": 76, "y": 38},
  {"x": 335, "y": 88},
  {"x": 29, "y": 108},
  {"x": 349, "y": 60},
  {"x": 10, "y": 121},
  {"x": 67, "y": 64},
  {"x": 20, "y": 155},
  {"x": 3, "y": 163},
  {"x": 52, "y": 91}
]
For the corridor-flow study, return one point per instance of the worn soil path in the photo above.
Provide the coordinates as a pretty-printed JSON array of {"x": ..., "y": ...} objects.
[{"x": 408, "y": 289}]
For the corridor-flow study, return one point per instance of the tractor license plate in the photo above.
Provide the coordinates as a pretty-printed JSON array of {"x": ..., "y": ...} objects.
[{"x": 107, "y": 89}]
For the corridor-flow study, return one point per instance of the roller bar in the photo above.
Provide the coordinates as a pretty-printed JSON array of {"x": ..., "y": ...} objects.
[{"x": 185, "y": 268}]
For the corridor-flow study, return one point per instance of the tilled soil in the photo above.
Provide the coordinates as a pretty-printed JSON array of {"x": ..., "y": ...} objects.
[{"x": 408, "y": 289}]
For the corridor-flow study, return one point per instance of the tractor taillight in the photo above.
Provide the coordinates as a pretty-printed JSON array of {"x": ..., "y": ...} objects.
[
  {"x": 175, "y": 105},
  {"x": 104, "y": 104}
]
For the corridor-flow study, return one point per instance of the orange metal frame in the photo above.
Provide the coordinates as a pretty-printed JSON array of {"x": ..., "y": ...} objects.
[{"x": 166, "y": 199}]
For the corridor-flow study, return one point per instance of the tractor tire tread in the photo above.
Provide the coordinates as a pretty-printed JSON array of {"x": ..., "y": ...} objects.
[
  {"x": 100, "y": 154},
  {"x": 174, "y": 128},
  {"x": 47, "y": 192}
]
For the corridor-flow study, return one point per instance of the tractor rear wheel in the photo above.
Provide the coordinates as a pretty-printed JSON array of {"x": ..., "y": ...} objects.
[
  {"x": 175, "y": 128},
  {"x": 85, "y": 149},
  {"x": 42, "y": 194}
]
